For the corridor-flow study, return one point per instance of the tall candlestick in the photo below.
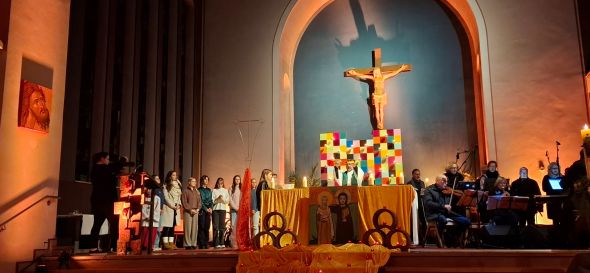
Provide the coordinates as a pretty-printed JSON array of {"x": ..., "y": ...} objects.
[{"x": 304, "y": 184}]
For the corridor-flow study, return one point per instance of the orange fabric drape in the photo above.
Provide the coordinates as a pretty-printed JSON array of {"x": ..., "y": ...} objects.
[
  {"x": 301, "y": 259},
  {"x": 397, "y": 198},
  {"x": 290, "y": 259},
  {"x": 353, "y": 258},
  {"x": 294, "y": 205}
]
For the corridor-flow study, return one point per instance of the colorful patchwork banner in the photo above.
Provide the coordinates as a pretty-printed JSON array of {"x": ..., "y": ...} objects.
[{"x": 380, "y": 155}]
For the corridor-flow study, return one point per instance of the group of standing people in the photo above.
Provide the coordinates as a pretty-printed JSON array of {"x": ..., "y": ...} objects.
[
  {"x": 196, "y": 203},
  {"x": 200, "y": 207}
]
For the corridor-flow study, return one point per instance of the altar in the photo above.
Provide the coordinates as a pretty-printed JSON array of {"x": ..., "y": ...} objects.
[{"x": 299, "y": 208}]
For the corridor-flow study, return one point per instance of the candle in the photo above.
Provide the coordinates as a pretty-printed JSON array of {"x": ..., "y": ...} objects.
[
  {"x": 401, "y": 174},
  {"x": 272, "y": 183},
  {"x": 371, "y": 179},
  {"x": 585, "y": 132},
  {"x": 304, "y": 184}
]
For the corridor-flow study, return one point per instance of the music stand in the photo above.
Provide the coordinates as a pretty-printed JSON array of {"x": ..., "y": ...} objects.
[
  {"x": 519, "y": 203},
  {"x": 470, "y": 198}
]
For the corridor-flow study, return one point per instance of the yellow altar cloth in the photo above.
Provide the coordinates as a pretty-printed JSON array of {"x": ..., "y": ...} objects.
[
  {"x": 294, "y": 205},
  {"x": 351, "y": 258}
]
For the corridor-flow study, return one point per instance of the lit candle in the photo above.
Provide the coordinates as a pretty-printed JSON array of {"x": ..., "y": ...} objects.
[
  {"x": 371, "y": 179},
  {"x": 272, "y": 183},
  {"x": 304, "y": 184},
  {"x": 401, "y": 174},
  {"x": 585, "y": 132}
]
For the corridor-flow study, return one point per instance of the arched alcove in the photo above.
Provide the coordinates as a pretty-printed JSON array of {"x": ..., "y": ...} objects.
[{"x": 295, "y": 20}]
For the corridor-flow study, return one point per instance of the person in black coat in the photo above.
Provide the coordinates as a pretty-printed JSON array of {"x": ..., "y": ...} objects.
[
  {"x": 524, "y": 186},
  {"x": 104, "y": 194},
  {"x": 419, "y": 187},
  {"x": 486, "y": 184},
  {"x": 558, "y": 187},
  {"x": 265, "y": 177},
  {"x": 436, "y": 205}
]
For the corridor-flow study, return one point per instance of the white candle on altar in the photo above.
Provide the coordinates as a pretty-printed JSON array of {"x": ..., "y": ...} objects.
[
  {"x": 585, "y": 132},
  {"x": 272, "y": 183},
  {"x": 304, "y": 184},
  {"x": 401, "y": 174},
  {"x": 371, "y": 179}
]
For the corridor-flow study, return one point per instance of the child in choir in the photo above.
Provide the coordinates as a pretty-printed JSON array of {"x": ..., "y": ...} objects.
[
  {"x": 191, "y": 203},
  {"x": 158, "y": 191},
  {"x": 171, "y": 212},
  {"x": 234, "y": 204},
  {"x": 204, "y": 213},
  {"x": 145, "y": 218},
  {"x": 255, "y": 211},
  {"x": 220, "y": 200}
]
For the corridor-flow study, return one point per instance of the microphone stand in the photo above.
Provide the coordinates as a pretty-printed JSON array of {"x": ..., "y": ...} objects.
[
  {"x": 467, "y": 158},
  {"x": 557, "y": 159}
]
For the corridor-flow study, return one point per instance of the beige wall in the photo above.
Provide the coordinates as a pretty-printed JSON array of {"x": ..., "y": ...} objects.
[
  {"x": 238, "y": 84},
  {"x": 30, "y": 160},
  {"x": 536, "y": 77}
]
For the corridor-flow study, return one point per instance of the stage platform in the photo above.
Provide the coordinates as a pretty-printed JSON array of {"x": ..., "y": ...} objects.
[{"x": 437, "y": 260}]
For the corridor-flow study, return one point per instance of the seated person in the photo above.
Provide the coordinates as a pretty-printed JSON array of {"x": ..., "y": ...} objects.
[
  {"x": 524, "y": 186},
  {"x": 486, "y": 184},
  {"x": 436, "y": 205},
  {"x": 502, "y": 216},
  {"x": 453, "y": 178}
]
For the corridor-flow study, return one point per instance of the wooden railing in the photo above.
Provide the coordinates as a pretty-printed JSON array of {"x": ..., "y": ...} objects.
[{"x": 3, "y": 224}]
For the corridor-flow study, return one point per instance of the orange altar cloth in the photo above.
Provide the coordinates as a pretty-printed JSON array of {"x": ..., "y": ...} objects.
[
  {"x": 350, "y": 258},
  {"x": 295, "y": 206}
]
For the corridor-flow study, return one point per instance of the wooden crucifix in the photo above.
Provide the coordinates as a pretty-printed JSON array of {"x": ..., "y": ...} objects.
[{"x": 375, "y": 76}]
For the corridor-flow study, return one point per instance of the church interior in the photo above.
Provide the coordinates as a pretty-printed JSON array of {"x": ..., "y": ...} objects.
[{"x": 405, "y": 125}]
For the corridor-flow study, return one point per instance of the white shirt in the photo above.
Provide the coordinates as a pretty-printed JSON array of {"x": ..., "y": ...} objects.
[{"x": 224, "y": 193}]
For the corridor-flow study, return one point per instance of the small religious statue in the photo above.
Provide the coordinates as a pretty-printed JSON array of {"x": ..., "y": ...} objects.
[{"x": 375, "y": 76}]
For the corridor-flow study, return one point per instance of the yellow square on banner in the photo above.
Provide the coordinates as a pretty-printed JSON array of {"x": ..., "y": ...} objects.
[
  {"x": 323, "y": 137},
  {"x": 398, "y": 169},
  {"x": 397, "y": 138},
  {"x": 382, "y": 132},
  {"x": 383, "y": 153},
  {"x": 370, "y": 163},
  {"x": 330, "y": 136}
]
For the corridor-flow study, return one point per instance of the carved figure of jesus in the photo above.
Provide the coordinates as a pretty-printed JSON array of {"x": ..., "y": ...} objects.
[{"x": 376, "y": 76}]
